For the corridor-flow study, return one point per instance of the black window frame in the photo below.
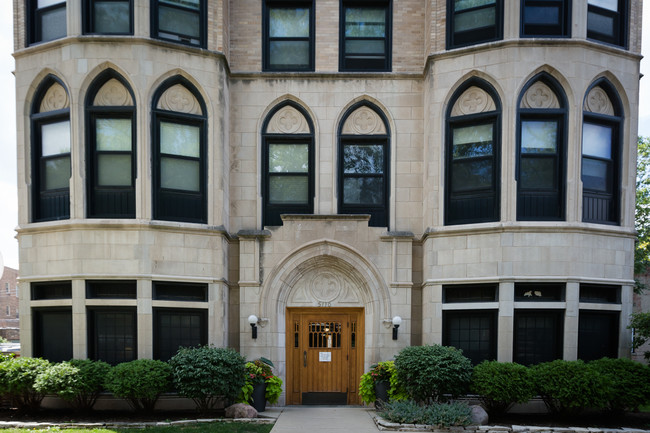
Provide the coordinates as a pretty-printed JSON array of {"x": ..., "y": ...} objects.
[
  {"x": 89, "y": 25},
  {"x": 543, "y": 204},
  {"x": 462, "y": 293},
  {"x": 379, "y": 213},
  {"x": 175, "y": 204},
  {"x": 271, "y": 211},
  {"x": 34, "y": 23},
  {"x": 476, "y": 35},
  {"x": 620, "y": 21},
  {"x": 47, "y": 204},
  {"x": 560, "y": 29},
  {"x": 53, "y": 348},
  {"x": 266, "y": 38},
  {"x": 108, "y": 201},
  {"x": 180, "y": 38},
  {"x": 158, "y": 315},
  {"x": 488, "y": 353},
  {"x": 365, "y": 63},
  {"x": 600, "y": 293},
  {"x": 93, "y": 339},
  {"x": 178, "y": 293},
  {"x": 548, "y": 292},
  {"x": 49, "y": 290},
  {"x": 556, "y": 349},
  {"x": 600, "y": 341},
  {"x": 474, "y": 205},
  {"x": 597, "y": 206},
  {"x": 111, "y": 289}
]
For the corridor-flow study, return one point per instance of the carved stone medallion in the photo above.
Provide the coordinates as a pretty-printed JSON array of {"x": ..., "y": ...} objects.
[
  {"x": 178, "y": 98},
  {"x": 597, "y": 101},
  {"x": 288, "y": 120},
  {"x": 325, "y": 287},
  {"x": 364, "y": 121},
  {"x": 113, "y": 93},
  {"x": 473, "y": 100},
  {"x": 56, "y": 98},
  {"x": 539, "y": 95}
]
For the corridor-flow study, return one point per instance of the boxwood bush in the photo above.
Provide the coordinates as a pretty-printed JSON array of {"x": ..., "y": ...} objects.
[
  {"x": 499, "y": 385},
  {"x": 629, "y": 383},
  {"x": 569, "y": 387},
  {"x": 17, "y": 379},
  {"x": 208, "y": 374},
  {"x": 433, "y": 373},
  {"x": 139, "y": 382}
]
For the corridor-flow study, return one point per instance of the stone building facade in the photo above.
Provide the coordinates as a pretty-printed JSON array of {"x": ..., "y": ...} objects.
[
  {"x": 9, "y": 317},
  {"x": 323, "y": 169}
]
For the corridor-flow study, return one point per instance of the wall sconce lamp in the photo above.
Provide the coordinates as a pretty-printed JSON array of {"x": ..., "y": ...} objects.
[
  {"x": 396, "y": 322},
  {"x": 252, "y": 319}
]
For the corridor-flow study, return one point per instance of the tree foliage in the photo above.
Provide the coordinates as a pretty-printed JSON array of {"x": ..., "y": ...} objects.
[{"x": 642, "y": 210}]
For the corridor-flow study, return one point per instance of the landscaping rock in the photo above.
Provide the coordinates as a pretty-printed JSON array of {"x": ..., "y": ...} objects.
[
  {"x": 241, "y": 410},
  {"x": 479, "y": 415}
]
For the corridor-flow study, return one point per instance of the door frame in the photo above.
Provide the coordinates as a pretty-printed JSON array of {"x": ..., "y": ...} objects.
[{"x": 356, "y": 359}]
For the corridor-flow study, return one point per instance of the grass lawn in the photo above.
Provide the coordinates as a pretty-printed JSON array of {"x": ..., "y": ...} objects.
[{"x": 217, "y": 427}]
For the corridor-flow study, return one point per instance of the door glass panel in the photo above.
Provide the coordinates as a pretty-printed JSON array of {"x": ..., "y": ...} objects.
[
  {"x": 289, "y": 53},
  {"x": 57, "y": 173},
  {"x": 364, "y": 190},
  {"x": 325, "y": 335},
  {"x": 472, "y": 141},
  {"x": 113, "y": 134},
  {"x": 597, "y": 140},
  {"x": 288, "y": 158},
  {"x": 538, "y": 137},
  {"x": 177, "y": 139},
  {"x": 289, "y": 22},
  {"x": 365, "y": 22},
  {"x": 367, "y": 158},
  {"x": 114, "y": 170},
  {"x": 55, "y": 138},
  {"x": 475, "y": 19},
  {"x": 288, "y": 189},
  {"x": 112, "y": 17},
  {"x": 179, "y": 174}
]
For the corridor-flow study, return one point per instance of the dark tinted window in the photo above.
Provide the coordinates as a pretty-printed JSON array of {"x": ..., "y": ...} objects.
[
  {"x": 538, "y": 336},
  {"x": 180, "y": 292},
  {"x": 181, "y": 21},
  {"x": 607, "y": 21},
  {"x": 112, "y": 335},
  {"x": 472, "y": 331},
  {"x": 473, "y": 21},
  {"x": 288, "y": 31},
  {"x": 470, "y": 293},
  {"x": 52, "y": 334},
  {"x": 365, "y": 36},
  {"x": 545, "y": 292},
  {"x": 47, "y": 20},
  {"x": 598, "y": 335},
  {"x": 545, "y": 18},
  {"x": 602, "y": 294},
  {"x": 175, "y": 328},
  {"x": 51, "y": 290},
  {"x": 111, "y": 289},
  {"x": 108, "y": 17}
]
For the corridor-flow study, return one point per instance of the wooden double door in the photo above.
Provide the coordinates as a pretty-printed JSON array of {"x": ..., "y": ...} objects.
[{"x": 324, "y": 355}]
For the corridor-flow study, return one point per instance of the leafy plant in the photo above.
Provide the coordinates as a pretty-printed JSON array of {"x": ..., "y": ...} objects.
[
  {"x": 629, "y": 383},
  {"x": 259, "y": 371},
  {"x": 440, "y": 415},
  {"x": 17, "y": 379},
  {"x": 641, "y": 324},
  {"x": 207, "y": 374},
  {"x": 273, "y": 389},
  {"x": 381, "y": 372},
  {"x": 139, "y": 382},
  {"x": 90, "y": 383},
  {"x": 499, "y": 385},
  {"x": 569, "y": 387},
  {"x": 433, "y": 373}
]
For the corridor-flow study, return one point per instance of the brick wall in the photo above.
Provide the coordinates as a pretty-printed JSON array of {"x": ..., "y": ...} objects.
[{"x": 9, "y": 304}]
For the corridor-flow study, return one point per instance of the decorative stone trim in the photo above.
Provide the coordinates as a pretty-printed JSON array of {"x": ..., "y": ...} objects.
[
  {"x": 473, "y": 100},
  {"x": 56, "y": 98},
  {"x": 113, "y": 93},
  {"x": 384, "y": 425}
]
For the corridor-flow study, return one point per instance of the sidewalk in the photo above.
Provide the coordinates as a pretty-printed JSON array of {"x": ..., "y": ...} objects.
[{"x": 321, "y": 419}]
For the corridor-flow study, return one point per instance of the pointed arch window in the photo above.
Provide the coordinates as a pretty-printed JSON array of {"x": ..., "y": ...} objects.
[
  {"x": 541, "y": 151},
  {"x": 179, "y": 153},
  {"x": 601, "y": 138},
  {"x": 287, "y": 163},
  {"x": 473, "y": 154},
  {"x": 51, "y": 152},
  {"x": 363, "y": 164},
  {"x": 110, "y": 148}
]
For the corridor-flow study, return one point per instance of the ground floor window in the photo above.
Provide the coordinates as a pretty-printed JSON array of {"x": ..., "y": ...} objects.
[
  {"x": 174, "y": 328},
  {"x": 52, "y": 334},
  {"x": 472, "y": 331},
  {"x": 112, "y": 334},
  {"x": 538, "y": 336},
  {"x": 598, "y": 334}
]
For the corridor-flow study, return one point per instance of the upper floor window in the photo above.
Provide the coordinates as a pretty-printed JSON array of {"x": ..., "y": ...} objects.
[
  {"x": 287, "y": 164},
  {"x": 607, "y": 21},
  {"x": 365, "y": 40},
  {"x": 363, "y": 168},
  {"x": 541, "y": 151},
  {"x": 108, "y": 17},
  {"x": 601, "y": 137},
  {"x": 473, "y": 21},
  {"x": 545, "y": 18},
  {"x": 47, "y": 20},
  {"x": 110, "y": 148},
  {"x": 51, "y": 152},
  {"x": 288, "y": 29},
  {"x": 179, "y": 153},
  {"x": 473, "y": 148},
  {"x": 181, "y": 21}
]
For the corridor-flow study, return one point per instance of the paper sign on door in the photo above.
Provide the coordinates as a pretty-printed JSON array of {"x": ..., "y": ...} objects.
[{"x": 325, "y": 356}]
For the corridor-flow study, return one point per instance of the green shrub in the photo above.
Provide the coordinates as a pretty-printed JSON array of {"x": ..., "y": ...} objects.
[
  {"x": 433, "y": 373},
  {"x": 383, "y": 371},
  {"x": 499, "y": 385},
  {"x": 17, "y": 379},
  {"x": 58, "y": 378},
  {"x": 207, "y": 374},
  {"x": 139, "y": 382},
  {"x": 440, "y": 415},
  {"x": 629, "y": 383},
  {"x": 568, "y": 387}
]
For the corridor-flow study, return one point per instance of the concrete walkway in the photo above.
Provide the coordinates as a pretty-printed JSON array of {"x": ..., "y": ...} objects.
[{"x": 321, "y": 419}]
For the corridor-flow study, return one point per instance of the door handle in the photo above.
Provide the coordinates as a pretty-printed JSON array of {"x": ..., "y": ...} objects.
[{"x": 304, "y": 358}]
